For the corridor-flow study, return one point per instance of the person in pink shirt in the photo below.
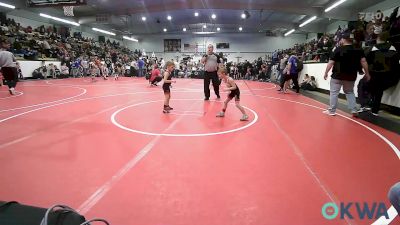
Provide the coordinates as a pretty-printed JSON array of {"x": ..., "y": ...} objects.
[{"x": 155, "y": 76}]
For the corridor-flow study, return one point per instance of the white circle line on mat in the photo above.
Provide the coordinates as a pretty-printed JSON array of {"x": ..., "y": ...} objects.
[
  {"x": 47, "y": 103},
  {"x": 114, "y": 121},
  {"x": 12, "y": 96}
]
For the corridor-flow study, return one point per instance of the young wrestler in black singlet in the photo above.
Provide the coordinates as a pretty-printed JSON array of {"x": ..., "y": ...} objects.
[
  {"x": 234, "y": 93},
  {"x": 170, "y": 66}
]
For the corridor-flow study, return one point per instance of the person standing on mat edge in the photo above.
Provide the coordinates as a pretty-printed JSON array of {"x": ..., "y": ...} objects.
[
  {"x": 141, "y": 67},
  {"x": 345, "y": 60},
  {"x": 211, "y": 63},
  {"x": 384, "y": 67},
  {"x": 292, "y": 73},
  {"x": 8, "y": 66}
]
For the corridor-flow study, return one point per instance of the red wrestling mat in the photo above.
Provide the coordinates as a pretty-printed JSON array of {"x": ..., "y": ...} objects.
[{"x": 107, "y": 149}]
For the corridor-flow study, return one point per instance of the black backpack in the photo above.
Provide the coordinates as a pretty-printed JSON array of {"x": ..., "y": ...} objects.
[
  {"x": 299, "y": 66},
  {"x": 13, "y": 213}
]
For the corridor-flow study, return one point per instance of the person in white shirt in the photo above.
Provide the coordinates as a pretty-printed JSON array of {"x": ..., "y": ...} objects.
[
  {"x": 134, "y": 67},
  {"x": 85, "y": 66},
  {"x": 64, "y": 70},
  {"x": 104, "y": 71},
  {"x": 162, "y": 63}
]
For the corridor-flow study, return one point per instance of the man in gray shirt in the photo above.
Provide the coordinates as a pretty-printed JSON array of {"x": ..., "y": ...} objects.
[
  {"x": 8, "y": 66},
  {"x": 211, "y": 62}
]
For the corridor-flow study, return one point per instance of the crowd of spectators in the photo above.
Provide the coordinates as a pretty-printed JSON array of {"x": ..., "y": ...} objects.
[
  {"x": 57, "y": 43},
  {"x": 76, "y": 52},
  {"x": 364, "y": 32}
]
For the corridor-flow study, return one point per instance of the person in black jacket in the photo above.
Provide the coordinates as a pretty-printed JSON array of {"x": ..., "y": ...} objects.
[{"x": 383, "y": 64}]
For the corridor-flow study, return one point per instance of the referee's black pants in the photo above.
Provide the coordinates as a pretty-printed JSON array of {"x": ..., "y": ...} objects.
[
  {"x": 215, "y": 81},
  {"x": 10, "y": 74}
]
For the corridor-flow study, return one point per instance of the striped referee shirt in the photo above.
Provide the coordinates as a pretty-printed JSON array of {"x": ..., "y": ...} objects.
[{"x": 7, "y": 59}]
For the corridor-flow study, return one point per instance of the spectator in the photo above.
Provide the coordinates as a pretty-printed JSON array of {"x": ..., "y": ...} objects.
[
  {"x": 291, "y": 74},
  {"x": 394, "y": 27},
  {"x": 76, "y": 65},
  {"x": 37, "y": 73},
  {"x": 310, "y": 85},
  {"x": 51, "y": 70},
  {"x": 263, "y": 76},
  {"x": 383, "y": 61},
  {"x": 248, "y": 74},
  {"x": 282, "y": 66},
  {"x": 8, "y": 67},
  {"x": 19, "y": 71},
  {"x": 134, "y": 68},
  {"x": 394, "y": 197},
  {"x": 141, "y": 67},
  {"x": 108, "y": 63},
  {"x": 364, "y": 95},
  {"x": 64, "y": 70},
  {"x": 155, "y": 76},
  {"x": 345, "y": 61},
  {"x": 56, "y": 72},
  {"x": 306, "y": 79},
  {"x": 85, "y": 67},
  {"x": 43, "y": 69},
  {"x": 369, "y": 36},
  {"x": 104, "y": 71},
  {"x": 275, "y": 58}
]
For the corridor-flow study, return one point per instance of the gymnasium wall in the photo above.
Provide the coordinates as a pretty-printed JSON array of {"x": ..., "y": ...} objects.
[{"x": 246, "y": 45}]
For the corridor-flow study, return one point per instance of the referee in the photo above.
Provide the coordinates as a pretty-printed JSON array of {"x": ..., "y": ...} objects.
[
  {"x": 8, "y": 66},
  {"x": 211, "y": 62}
]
